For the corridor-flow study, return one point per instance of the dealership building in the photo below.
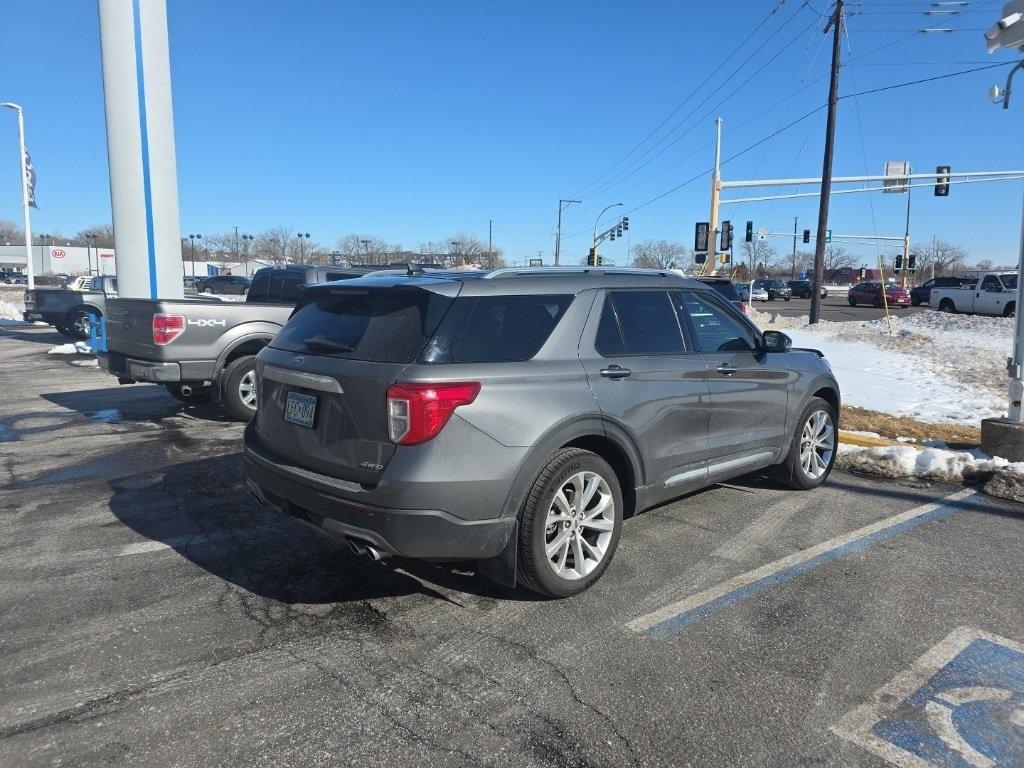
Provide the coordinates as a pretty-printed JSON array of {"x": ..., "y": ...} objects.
[{"x": 59, "y": 259}]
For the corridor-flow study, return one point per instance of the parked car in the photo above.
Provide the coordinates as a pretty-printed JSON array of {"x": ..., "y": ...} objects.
[
  {"x": 993, "y": 293},
  {"x": 921, "y": 294},
  {"x": 871, "y": 293},
  {"x": 744, "y": 290},
  {"x": 776, "y": 289},
  {"x": 226, "y": 285},
  {"x": 69, "y": 310},
  {"x": 201, "y": 348},
  {"x": 726, "y": 288},
  {"x": 189, "y": 283},
  {"x": 516, "y": 419},
  {"x": 13, "y": 278},
  {"x": 802, "y": 289}
]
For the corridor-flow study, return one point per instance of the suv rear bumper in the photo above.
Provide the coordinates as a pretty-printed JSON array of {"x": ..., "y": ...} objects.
[{"x": 322, "y": 502}]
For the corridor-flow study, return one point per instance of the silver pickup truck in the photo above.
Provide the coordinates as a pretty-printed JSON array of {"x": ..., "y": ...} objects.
[
  {"x": 68, "y": 310},
  {"x": 205, "y": 349},
  {"x": 993, "y": 293}
]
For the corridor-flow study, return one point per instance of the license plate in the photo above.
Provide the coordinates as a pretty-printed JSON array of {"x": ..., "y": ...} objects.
[{"x": 300, "y": 409}]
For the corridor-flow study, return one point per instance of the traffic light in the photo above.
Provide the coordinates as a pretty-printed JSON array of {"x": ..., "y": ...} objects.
[
  {"x": 592, "y": 258},
  {"x": 724, "y": 258},
  {"x": 807, "y": 235},
  {"x": 700, "y": 258},
  {"x": 750, "y": 232},
  {"x": 726, "y": 236},
  {"x": 612, "y": 235},
  {"x": 912, "y": 263},
  {"x": 625, "y": 222},
  {"x": 700, "y": 236},
  {"x": 899, "y": 262},
  {"x": 600, "y": 260},
  {"x": 942, "y": 181},
  {"x": 862, "y": 273}
]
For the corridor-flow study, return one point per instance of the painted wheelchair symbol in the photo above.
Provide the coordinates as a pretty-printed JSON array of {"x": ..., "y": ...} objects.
[{"x": 960, "y": 706}]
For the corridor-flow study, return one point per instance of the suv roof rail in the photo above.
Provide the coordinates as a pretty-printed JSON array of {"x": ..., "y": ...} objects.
[{"x": 551, "y": 271}]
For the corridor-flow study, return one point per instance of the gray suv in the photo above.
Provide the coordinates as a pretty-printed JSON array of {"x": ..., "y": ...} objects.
[{"x": 517, "y": 418}]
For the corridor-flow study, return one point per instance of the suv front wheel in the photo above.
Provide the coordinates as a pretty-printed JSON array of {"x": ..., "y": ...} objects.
[
  {"x": 570, "y": 525},
  {"x": 813, "y": 449}
]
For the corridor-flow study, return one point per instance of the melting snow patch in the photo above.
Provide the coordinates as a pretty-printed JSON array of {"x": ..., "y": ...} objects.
[
  {"x": 107, "y": 416},
  {"x": 77, "y": 348}
]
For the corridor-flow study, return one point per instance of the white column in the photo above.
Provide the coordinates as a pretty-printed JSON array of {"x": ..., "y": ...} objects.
[{"x": 140, "y": 147}]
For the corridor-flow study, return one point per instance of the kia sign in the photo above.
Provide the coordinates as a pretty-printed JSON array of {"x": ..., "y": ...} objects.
[
  {"x": 57, "y": 253},
  {"x": 106, "y": 255}
]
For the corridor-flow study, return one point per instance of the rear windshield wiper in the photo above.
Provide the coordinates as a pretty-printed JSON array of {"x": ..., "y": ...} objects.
[{"x": 319, "y": 342}]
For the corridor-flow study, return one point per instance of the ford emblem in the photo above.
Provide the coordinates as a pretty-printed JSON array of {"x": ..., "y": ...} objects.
[{"x": 298, "y": 359}]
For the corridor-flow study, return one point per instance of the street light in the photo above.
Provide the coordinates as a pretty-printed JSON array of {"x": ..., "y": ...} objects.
[
  {"x": 193, "y": 238},
  {"x": 42, "y": 244},
  {"x": 89, "y": 243},
  {"x": 302, "y": 253},
  {"x": 24, "y": 192}
]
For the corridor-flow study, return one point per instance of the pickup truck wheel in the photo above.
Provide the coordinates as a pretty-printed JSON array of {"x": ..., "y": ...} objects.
[
  {"x": 207, "y": 290},
  {"x": 570, "y": 524},
  {"x": 947, "y": 305},
  {"x": 240, "y": 388},
  {"x": 191, "y": 394},
  {"x": 78, "y": 324},
  {"x": 813, "y": 449},
  {"x": 1010, "y": 310}
]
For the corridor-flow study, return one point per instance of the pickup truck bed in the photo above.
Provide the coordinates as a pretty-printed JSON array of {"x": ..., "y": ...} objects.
[{"x": 68, "y": 310}]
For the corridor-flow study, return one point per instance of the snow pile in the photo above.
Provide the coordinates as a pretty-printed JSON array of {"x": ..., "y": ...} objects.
[
  {"x": 77, "y": 348},
  {"x": 10, "y": 314},
  {"x": 1000, "y": 477},
  {"x": 933, "y": 367}
]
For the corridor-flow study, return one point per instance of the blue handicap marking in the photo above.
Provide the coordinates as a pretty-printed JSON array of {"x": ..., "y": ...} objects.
[{"x": 961, "y": 706}]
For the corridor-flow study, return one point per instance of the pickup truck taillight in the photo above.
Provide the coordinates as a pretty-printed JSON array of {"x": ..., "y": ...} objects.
[
  {"x": 418, "y": 412},
  {"x": 166, "y": 328}
]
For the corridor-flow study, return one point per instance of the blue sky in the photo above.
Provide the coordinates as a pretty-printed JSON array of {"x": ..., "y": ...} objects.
[{"x": 415, "y": 121}]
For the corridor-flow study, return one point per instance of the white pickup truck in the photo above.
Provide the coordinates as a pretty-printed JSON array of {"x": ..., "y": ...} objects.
[{"x": 994, "y": 293}]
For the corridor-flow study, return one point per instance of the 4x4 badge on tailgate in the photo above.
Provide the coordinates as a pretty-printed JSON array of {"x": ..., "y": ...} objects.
[{"x": 371, "y": 465}]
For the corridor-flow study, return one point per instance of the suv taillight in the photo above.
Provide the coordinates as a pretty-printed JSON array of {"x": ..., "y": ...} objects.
[
  {"x": 418, "y": 412},
  {"x": 166, "y": 328}
]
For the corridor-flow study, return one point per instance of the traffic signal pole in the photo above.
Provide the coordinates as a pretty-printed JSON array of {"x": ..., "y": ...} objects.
[
  {"x": 906, "y": 244},
  {"x": 826, "y": 169},
  {"x": 716, "y": 190}
]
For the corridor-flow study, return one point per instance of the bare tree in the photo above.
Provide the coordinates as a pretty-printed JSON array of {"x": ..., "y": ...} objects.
[
  {"x": 466, "y": 250},
  {"x": 11, "y": 233},
  {"x": 946, "y": 257},
  {"x": 661, "y": 254},
  {"x": 104, "y": 236},
  {"x": 837, "y": 257},
  {"x": 762, "y": 255},
  {"x": 365, "y": 249},
  {"x": 985, "y": 265}
]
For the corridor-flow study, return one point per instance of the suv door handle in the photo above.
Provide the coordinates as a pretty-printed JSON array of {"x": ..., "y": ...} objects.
[
  {"x": 615, "y": 372},
  {"x": 727, "y": 370}
]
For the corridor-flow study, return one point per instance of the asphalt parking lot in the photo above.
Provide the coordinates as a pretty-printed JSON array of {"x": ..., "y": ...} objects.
[
  {"x": 834, "y": 307},
  {"x": 155, "y": 614}
]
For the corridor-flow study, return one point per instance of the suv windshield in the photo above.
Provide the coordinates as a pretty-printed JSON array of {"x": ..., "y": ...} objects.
[{"x": 384, "y": 325}]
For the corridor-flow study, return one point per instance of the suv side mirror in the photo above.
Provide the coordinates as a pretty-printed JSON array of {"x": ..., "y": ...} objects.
[{"x": 777, "y": 341}]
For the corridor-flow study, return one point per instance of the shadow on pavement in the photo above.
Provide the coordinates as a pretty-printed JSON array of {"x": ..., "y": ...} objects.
[
  {"x": 203, "y": 510},
  {"x": 44, "y": 335},
  {"x": 149, "y": 402}
]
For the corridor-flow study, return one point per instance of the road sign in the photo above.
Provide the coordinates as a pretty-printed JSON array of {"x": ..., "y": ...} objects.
[
  {"x": 896, "y": 172},
  {"x": 828, "y": 235},
  {"x": 762, "y": 234},
  {"x": 536, "y": 262}
]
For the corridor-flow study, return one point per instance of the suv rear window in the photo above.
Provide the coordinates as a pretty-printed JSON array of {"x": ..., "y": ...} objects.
[
  {"x": 384, "y": 325},
  {"x": 496, "y": 329},
  {"x": 724, "y": 287}
]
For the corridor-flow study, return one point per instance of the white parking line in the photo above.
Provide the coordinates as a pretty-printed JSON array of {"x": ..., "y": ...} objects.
[{"x": 681, "y": 613}]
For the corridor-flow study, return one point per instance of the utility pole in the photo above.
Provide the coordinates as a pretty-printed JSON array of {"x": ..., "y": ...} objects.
[
  {"x": 792, "y": 268},
  {"x": 906, "y": 243},
  {"x": 836, "y": 24},
  {"x": 562, "y": 205},
  {"x": 490, "y": 238},
  {"x": 237, "y": 254}
]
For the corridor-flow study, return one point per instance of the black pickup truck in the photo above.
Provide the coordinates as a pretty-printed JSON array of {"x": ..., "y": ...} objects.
[
  {"x": 204, "y": 350},
  {"x": 68, "y": 310}
]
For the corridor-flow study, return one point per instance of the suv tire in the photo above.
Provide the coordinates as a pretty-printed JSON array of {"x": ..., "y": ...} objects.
[
  {"x": 239, "y": 381},
  {"x": 583, "y": 532},
  {"x": 813, "y": 450}
]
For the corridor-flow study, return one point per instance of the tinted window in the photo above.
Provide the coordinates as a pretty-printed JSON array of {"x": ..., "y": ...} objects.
[
  {"x": 648, "y": 322},
  {"x": 716, "y": 328},
  {"x": 725, "y": 288},
  {"x": 331, "y": 276},
  {"x": 260, "y": 287},
  {"x": 609, "y": 339},
  {"x": 1010, "y": 281},
  {"x": 291, "y": 290},
  {"x": 276, "y": 284},
  {"x": 387, "y": 325},
  {"x": 991, "y": 283},
  {"x": 493, "y": 329}
]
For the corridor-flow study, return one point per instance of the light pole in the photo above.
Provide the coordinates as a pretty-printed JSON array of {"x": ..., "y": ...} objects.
[
  {"x": 89, "y": 239},
  {"x": 25, "y": 200},
  {"x": 42, "y": 253},
  {"x": 246, "y": 246},
  {"x": 451, "y": 253},
  {"x": 562, "y": 205},
  {"x": 302, "y": 252},
  {"x": 598, "y": 221},
  {"x": 366, "y": 249},
  {"x": 193, "y": 239}
]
